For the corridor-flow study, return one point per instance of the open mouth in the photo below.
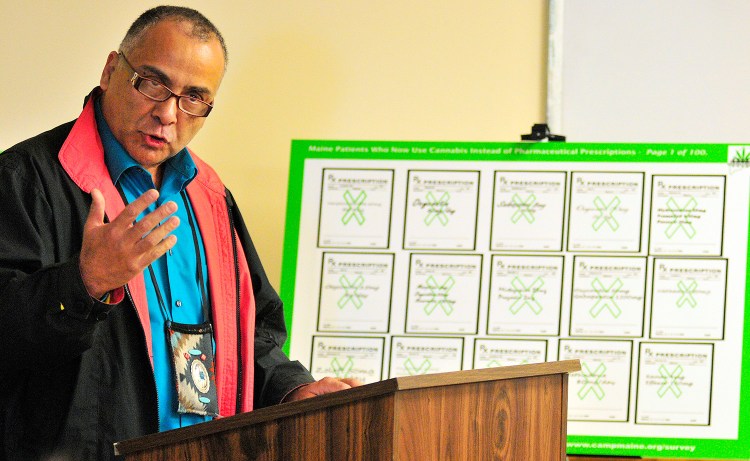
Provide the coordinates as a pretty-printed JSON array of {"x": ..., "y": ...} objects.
[{"x": 154, "y": 140}]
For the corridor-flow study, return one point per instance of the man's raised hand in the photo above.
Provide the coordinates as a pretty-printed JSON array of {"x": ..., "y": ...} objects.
[{"x": 115, "y": 252}]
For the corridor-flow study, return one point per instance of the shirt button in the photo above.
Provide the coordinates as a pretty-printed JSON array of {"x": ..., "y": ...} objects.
[
  {"x": 178, "y": 303},
  {"x": 170, "y": 252}
]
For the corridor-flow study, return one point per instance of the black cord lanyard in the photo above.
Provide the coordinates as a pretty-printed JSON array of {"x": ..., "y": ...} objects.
[{"x": 198, "y": 264}]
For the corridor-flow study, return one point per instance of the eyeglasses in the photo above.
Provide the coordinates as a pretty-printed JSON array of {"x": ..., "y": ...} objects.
[{"x": 190, "y": 104}]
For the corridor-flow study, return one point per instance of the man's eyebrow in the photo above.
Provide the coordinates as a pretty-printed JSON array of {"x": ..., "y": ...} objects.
[
  {"x": 203, "y": 91},
  {"x": 164, "y": 78}
]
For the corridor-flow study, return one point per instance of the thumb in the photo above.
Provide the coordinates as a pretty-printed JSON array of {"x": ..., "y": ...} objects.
[{"x": 96, "y": 212}]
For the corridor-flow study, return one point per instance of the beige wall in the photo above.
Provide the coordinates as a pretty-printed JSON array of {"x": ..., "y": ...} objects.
[{"x": 305, "y": 69}]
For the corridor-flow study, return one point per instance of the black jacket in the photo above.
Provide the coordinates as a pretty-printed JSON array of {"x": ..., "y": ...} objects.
[{"x": 77, "y": 380}]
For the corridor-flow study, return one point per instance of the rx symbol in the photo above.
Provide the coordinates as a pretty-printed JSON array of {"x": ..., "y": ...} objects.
[
  {"x": 350, "y": 291},
  {"x": 606, "y": 298},
  {"x": 438, "y": 296},
  {"x": 686, "y": 293},
  {"x": 606, "y": 213},
  {"x": 437, "y": 208},
  {"x": 354, "y": 207},
  {"x": 523, "y": 208},
  {"x": 683, "y": 213},
  {"x": 526, "y": 295},
  {"x": 670, "y": 381},
  {"x": 591, "y": 384}
]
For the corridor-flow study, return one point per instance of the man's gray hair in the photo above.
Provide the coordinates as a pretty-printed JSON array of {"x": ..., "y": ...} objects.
[{"x": 203, "y": 29}]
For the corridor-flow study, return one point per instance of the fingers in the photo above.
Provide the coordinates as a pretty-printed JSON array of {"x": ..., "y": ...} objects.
[
  {"x": 149, "y": 222},
  {"x": 323, "y": 386},
  {"x": 339, "y": 384},
  {"x": 154, "y": 236},
  {"x": 328, "y": 384},
  {"x": 352, "y": 382},
  {"x": 147, "y": 228},
  {"x": 135, "y": 208},
  {"x": 157, "y": 242},
  {"x": 151, "y": 234}
]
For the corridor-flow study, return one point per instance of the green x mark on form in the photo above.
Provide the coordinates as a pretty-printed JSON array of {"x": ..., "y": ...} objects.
[
  {"x": 354, "y": 207},
  {"x": 350, "y": 291},
  {"x": 606, "y": 213},
  {"x": 670, "y": 381},
  {"x": 605, "y": 298},
  {"x": 438, "y": 296},
  {"x": 683, "y": 213},
  {"x": 342, "y": 371},
  {"x": 414, "y": 370},
  {"x": 523, "y": 208},
  {"x": 526, "y": 295},
  {"x": 591, "y": 384},
  {"x": 686, "y": 293},
  {"x": 437, "y": 209}
]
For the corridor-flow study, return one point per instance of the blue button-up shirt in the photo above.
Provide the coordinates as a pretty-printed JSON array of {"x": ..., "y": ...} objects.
[{"x": 175, "y": 271}]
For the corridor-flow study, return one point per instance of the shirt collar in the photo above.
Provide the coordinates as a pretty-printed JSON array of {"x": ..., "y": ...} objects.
[{"x": 179, "y": 170}]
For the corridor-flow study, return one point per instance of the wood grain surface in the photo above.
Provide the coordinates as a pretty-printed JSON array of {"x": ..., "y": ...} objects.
[
  {"x": 509, "y": 413},
  {"x": 516, "y": 419}
]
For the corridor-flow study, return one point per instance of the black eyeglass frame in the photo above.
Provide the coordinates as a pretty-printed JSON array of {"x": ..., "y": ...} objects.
[{"x": 136, "y": 80}]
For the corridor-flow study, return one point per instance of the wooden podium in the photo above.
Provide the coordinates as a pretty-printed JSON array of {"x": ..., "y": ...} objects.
[{"x": 506, "y": 413}]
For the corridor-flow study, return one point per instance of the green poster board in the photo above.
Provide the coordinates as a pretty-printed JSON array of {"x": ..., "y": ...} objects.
[{"x": 405, "y": 258}]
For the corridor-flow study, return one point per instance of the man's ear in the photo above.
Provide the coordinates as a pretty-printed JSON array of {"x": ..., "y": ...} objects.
[{"x": 109, "y": 68}]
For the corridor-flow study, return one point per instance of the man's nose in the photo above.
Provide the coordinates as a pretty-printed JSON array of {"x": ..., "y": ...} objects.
[{"x": 166, "y": 111}]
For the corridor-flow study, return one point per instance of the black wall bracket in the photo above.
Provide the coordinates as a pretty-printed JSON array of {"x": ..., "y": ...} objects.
[{"x": 539, "y": 132}]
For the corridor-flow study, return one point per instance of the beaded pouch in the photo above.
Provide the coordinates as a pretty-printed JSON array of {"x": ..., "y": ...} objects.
[{"x": 193, "y": 359}]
